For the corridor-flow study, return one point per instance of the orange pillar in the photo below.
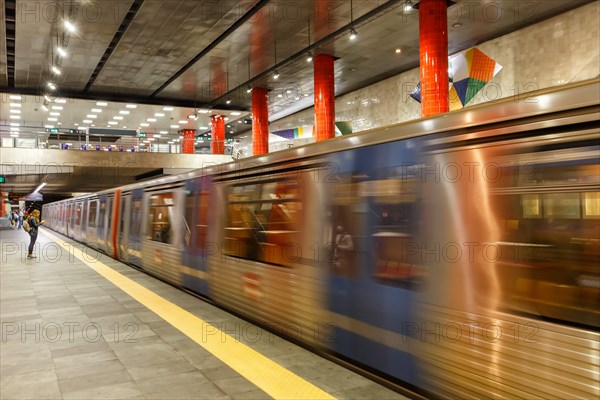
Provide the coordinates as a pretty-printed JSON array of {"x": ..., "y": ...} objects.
[
  {"x": 218, "y": 134},
  {"x": 189, "y": 135},
  {"x": 1, "y": 204},
  {"x": 260, "y": 121},
  {"x": 324, "y": 97},
  {"x": 433, "y": 47}
]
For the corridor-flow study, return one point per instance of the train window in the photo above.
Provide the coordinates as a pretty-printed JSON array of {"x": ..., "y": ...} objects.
[
  {"x": 547, "y": 263},
  {"x": 136, "y": 218},
  {"x": 102, "y": 213},
  {"x": 202, "y": 230},
  {"x": 189, "y": 219},
  {"x": 78, "y": 214},
  {"x": 92, "y": 214},
  {"x": 263, "y": 221},
  {"x": 160, "y": 217}
]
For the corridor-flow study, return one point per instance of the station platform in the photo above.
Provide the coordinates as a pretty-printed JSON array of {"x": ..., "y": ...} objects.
[{"x": 78, "y": 325}]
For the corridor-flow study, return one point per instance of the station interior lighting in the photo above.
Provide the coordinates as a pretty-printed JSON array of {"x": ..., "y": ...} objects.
[
  {"x": 39, "y": 187},
  {"x": 276, "y": 75},
  {"x": 309, "y": 57},
  {"x": 353, "y": 34}
]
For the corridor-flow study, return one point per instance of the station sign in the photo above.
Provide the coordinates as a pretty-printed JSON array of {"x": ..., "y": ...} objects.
[
  {"x": 142, "y": 134},
  {"x": 71, "y": 131},
  {"x": 2, "y": 179},
  {"x": 15, "y": 196}
]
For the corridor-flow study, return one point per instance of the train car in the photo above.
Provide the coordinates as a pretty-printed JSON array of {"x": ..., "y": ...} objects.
[{"x": 457, "y": 254}]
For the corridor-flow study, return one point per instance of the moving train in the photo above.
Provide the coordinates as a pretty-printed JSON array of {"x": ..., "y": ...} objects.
[{"x": 472, "y": 239}]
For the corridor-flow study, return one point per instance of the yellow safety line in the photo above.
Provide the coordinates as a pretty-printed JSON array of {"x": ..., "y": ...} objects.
[{"x": 269, "y": 376}]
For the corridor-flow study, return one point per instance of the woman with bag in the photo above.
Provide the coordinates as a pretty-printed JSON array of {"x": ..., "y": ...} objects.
[{"x": 34, "y": 222}]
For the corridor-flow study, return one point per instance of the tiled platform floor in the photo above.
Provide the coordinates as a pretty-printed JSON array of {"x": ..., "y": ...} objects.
[{"x": 68, "y": 333}]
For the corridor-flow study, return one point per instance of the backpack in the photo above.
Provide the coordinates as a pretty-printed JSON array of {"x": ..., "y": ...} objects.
[{"x": 26, "y": 226}]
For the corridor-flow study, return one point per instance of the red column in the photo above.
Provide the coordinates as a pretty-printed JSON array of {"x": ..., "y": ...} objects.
[
  {"x": 260, "y": 121},
  {"x": 433, "y": 46},
  {"x": 189, "y": 135},
  {"x": 324, "y": 97},
  {"x": 218, "y": 134}
]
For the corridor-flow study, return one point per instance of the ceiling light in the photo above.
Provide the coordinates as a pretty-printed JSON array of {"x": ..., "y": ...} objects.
[
  {"x": 151, "y": 119},
  {"x": 57, "y": 107},
  {"x": 144, "y": 124},
  {"x": 203, "y": 127},
  {"x": 15, "y": 117},
  {"x": 70, "y": 27},
  {"x": 18, "y": 105},
  {"x": 157, "y": 136},
  {"x": 305, "y": 94},
  {"x": 236, "y": 113},
  {"x": 96, "y": 110},
  {"x": 163, "y": 132},
  {"x": 183, "y": 122},
  {"x": 131, "y": 106},
  {"x": 13, "y": 129},
  {"x": 60, "y": 101},
  {"x": 87, "y": 121},
  {"x": 353, "y": 34},
  {"x": 279, "y": 95},
  {"x": 191, "y": 116},
  {"x": 159, "y": 115},
  {"x": 112, "y": 122},
  {"x": 226, "y": 118},
  {"x": 240, "y": 121},
  {"x": 14, "y": 124},
  {"x": 398, "y": 51},
  {"x": 52, "y": 119},
  {"x": 408, "y": 6},
  {"x": 309, "y": 57},
  {"x": 249, "y": 90},
  {"x": 61, "y": 52},
  {"x": 276, "y": 75},
  {"x": 90, "y": 116},
  {"x": 228, "y": 101},
  {"x": 48, "y": 126},
  {"x": 14, "y": 111},
  {"x": 14, "y": 97},
  {"x": 174, "y": 126},
  {"x": 76, "y": 124},
  {"x": 168, "y": 108},
  {"x": 56, "y": 70},
  {"x": 51, "y": 85},
  {"x": 118, "y": 117},
  {"x": 101, "y": 103},
  {"x": 202, "y": 111},
  {"x": 124, "y": 127},
  {"x": 124, "y": 112}
]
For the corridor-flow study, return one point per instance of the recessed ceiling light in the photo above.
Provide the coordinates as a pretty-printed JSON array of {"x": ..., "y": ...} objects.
[
  {"x": 159, "y": 115},
  {"x": 56, "y": 70},
  {"x": 203, "y": 127},
  {"x": 203, "y": 111},
  {"x": 124, "y": 112},
  {"x": 14, "y": 124},
  {"x": 56, "y": 113},
  {"x": 60, "y": 101},
  {"x": 96, "y": 110},
  {"x": 163, "y": 132},
  {"x": 124, "y": 127},
  {"x": 70, "y": 27},
  {"x": 57, "y": 107},
  {"x": 112, "y": 122},
  {"x": 15, "y": 117},
  {"x": 14, "y": 97},
  {"x": 144, "y": 124},
  {"x": 52, "y": 119},
  {"x": 157, "y": 136},
  {"x": 151, "y": 119},
  {"x": 13, "y": 111},
  {"x": 90, "y": 116},
  {"x": 131, "y": 106},
  {"x": 279, "y": 95},
  {"x": 168, "y": 108},
  {"x": 87, "y": 121},
  {"x": 76, "y": 124},
  {"x": 398, "y": 51},
  {"x": 101, "y": 103},
  {"x": 118, "y": 117},
  {"x": 236, "y": 113},
  {"x": 226, "y": 118},
  {"x": 48, "y": 126},
  {"x": 174, "y": 126},
  {"x": 61, "y": 52},
  {"x": 18, "y": 105},
  {"x": 183, "y": 122}
]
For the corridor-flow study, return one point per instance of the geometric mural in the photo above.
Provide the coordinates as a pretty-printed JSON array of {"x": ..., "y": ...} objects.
[{"x": 468, "y": 72}]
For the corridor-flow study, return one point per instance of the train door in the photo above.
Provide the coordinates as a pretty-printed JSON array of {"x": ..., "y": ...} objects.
[
  {"x": 83, "y": 225},
  {"x": 69, "y": 217},
  {"x": 102, "y": 227},
  {"x": 132, "y": 245},
  {"x": 91, "y": 229},
  {"x": 110, "y": 209},
  {"x": 195, "y": 233},
  {"x": 371, "y": 281},
  {"x": 125, "y": 218}
]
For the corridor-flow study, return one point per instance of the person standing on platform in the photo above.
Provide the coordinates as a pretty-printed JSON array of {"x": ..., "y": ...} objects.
[
  {"x": 34, "y": 222},
  {"x": 21, "y": 215}
]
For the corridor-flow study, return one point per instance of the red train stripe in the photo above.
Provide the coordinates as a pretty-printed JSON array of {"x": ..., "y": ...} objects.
[{"x": 115, "y": 224}]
